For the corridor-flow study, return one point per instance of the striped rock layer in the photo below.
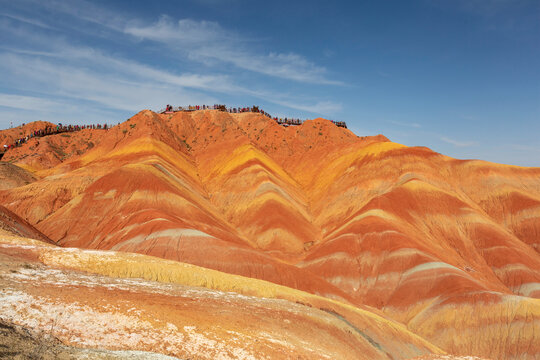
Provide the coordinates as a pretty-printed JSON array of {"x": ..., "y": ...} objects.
[
  {"x": 448, "y": 248},
  {"x": 137, "y": 306}
]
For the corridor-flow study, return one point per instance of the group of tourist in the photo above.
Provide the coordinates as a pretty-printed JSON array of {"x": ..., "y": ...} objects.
[
  {"x": 171, "y": 109},
  {"x": 254, "y": 109},
  {"x": 289, "y": 121},
  {"x": 51, "y": 130}
]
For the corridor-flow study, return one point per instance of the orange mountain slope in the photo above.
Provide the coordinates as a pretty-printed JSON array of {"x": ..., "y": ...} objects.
[
  {"x": 449, "y": 248},
  {"x": 9, "y": 136},
  {"x": 160, "y": 306},
  {"x": 39, "y": 153}
]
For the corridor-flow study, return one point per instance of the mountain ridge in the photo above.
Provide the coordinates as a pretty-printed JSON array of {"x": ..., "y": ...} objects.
[{"x": 312, "y": 207}]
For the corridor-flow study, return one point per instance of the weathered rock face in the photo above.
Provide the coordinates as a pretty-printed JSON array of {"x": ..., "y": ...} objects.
[
  {"x": 12, "y": 176},
  {"x": 12, "y": 225},
  {"x": 447, "y": 247}
]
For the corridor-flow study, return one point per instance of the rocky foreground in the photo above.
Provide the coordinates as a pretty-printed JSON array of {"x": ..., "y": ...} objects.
[{"x": 118, "y": 301}]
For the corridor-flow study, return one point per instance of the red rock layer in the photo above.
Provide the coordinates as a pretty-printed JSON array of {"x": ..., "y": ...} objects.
[{"x": 43, "y": 293}]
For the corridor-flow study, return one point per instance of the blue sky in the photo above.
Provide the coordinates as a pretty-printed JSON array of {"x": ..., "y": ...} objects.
[{"x": 459, "y": 76}]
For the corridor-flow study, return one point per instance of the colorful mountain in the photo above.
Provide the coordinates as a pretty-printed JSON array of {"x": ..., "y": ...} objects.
[{"x": 448, "y": 248}]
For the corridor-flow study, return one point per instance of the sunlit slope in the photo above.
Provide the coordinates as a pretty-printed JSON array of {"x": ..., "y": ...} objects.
[
  {"x": 498, "y": 326},
  {"x": 409, "y": 196},
  {"x": 508, "y": 194},
  {"x": 190, "y": 312},
  {"x": 66, "y": 181},
  {"x": 41, "y": 153},
  {"x": 414, "y": 244},
  {"x": 261, "y": 200},
  {"x": 138, "y": 193},
  {"x": 249, "y": 188}
]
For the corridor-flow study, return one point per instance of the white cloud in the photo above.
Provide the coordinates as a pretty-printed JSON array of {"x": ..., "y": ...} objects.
[
  {"x": 327, "y": 108},
  {"x": 487, "y": 7},
  {"x": 127, "y": 90},
  {"x": 206, "y": 41},
  {"x": 458, "y": 143},
  {"x": 26, "y": 20},
  {"x": 80, "y": 10},
  {"x": 89, "y": 57},
  {"x": 526, "y": 148},
  {"x": 116, "y": 84},
  {"x": 33, "y": 103},
  {"x": 410, "y": 125},
  {"x": 511, "y": 18},
  {"x": 183, "y": 32},
  {"x": 202, "y": 41},
  {"x": 18, "y": 109}
]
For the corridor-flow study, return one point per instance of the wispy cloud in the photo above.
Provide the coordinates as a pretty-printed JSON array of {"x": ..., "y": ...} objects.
[
  {"x": 89, "y": 74},
  {"x": 329, "y": 53},
  {"x": 28, "y": 102},
  {"x": 327, "y": 108},
  {"x": 207, "y": 41},
  {"x": 129, "y": 90},
  {"x": 201, "y": 41},
  {"x": 213, "y": 2},
  {"x": 26, "y": 20},
  {"x": 80, "y": 10},
  {"x": 410, "y": 125},
  {"x": 469, "y": 117},
  {"x": 526, "y": 148},
  {"x": 116, "y": 84},
  {"x": 459, "y": 143},
  {"x": 511, "y": 18},
  {"x": 486, "y": 8}
]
